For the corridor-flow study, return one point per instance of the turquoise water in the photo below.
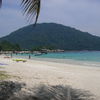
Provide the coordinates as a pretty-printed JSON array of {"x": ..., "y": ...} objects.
[{"x": 82, "y": 56}]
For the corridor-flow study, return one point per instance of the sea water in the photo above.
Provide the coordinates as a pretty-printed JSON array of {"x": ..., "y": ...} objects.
[{"x": 79, "y": 56}]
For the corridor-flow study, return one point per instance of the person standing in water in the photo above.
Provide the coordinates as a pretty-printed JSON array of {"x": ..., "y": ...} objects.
[
  {"x": 29, "y": 56},
  {"x": 11, "y": 55}
]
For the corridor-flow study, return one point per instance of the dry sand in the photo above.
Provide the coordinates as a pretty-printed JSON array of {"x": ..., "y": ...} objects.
[{"x": 34, "y": 72}]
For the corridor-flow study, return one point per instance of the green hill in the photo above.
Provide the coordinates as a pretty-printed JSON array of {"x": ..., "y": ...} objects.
[{"x": 54, "y": 35}]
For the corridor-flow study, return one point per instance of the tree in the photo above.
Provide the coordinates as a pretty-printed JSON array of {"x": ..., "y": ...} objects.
[
  {"x": 17, "y": 47},
  {"x": 31, "y": 8},
  {"x": 7, "y": 46},
  {"x": 0, "y": 47}
]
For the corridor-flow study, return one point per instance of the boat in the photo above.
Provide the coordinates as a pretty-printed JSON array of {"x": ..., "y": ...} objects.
[{"x": 38, "y": 54}]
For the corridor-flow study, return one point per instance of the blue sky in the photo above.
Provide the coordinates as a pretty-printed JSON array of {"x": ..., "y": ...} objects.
[{"x": 81, "y": 14}]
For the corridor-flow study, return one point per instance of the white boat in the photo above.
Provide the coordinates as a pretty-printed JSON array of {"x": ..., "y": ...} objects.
[{"x": 38, "y": 54}]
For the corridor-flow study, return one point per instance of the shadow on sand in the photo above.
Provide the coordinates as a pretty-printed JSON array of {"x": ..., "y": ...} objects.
[{"x": 13, "y": 91}]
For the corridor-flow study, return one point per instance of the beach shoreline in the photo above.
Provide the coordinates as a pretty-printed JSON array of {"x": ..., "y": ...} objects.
[
  {"x": 37, "y": 71},
  {"x": 63, "y": 61}
]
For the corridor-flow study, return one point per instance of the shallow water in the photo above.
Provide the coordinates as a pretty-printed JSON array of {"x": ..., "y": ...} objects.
[{"x": 93, "y": 56}]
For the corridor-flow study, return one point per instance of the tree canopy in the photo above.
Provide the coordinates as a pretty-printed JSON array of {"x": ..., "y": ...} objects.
[{"x": 7, "y": 46}]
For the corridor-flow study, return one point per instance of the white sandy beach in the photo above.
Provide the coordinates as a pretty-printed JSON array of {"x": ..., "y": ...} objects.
[{"x": 34, "y": 72}]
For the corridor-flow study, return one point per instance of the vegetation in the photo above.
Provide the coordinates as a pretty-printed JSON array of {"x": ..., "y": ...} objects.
[
  {"x": 8, "y": 89},
  {"x": 7, "y": 46},
  {"x": 13, "y": 91},
  {"x": 3, "y": 75},
  {"x": 40, "y": 48},
  {"x": 54, "y": 35}
]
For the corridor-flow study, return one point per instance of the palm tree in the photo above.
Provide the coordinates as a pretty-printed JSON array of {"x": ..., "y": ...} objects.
[
  {"x": 0, "y": 2},
  {"x": 31, "y": 8}
]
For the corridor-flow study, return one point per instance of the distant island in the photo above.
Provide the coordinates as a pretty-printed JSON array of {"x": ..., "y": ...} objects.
[{"x": 52, "y": 36}]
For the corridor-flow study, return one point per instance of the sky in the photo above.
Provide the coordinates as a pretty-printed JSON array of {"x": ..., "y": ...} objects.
[{"x": 80, "y": 14}]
